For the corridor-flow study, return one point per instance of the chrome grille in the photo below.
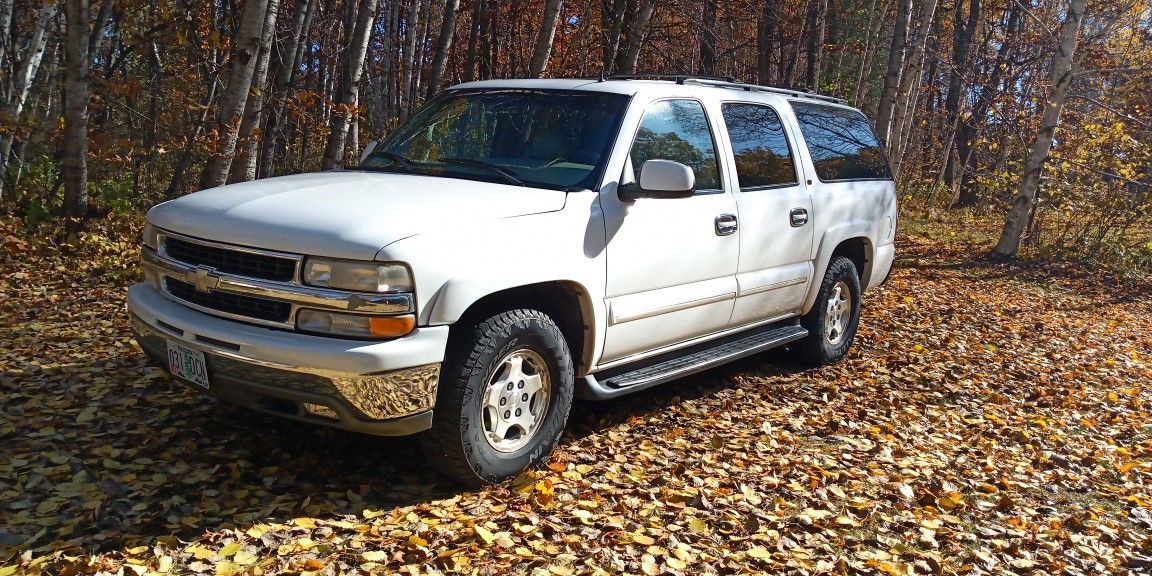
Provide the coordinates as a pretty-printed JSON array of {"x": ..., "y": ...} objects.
[
  {"x": 237, "y": 304},
  {"x": 239, "y": 262}
]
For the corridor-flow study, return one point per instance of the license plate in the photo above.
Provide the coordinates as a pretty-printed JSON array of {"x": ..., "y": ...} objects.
[{"x": 187, "y": 363}]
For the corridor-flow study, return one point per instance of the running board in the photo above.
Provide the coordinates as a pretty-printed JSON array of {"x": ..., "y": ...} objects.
[{"x": 629, "y": 379}]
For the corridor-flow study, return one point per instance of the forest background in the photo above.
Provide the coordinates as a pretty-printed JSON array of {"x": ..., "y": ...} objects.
[{"x": 1031, "y": 113}]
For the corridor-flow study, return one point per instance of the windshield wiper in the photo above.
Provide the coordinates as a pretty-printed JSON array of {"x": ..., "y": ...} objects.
[
  {"x": 397, "y": 159},
  {"x": 507, "y": 175}
]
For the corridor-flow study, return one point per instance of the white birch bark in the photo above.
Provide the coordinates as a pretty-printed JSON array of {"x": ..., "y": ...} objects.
[
  {"x": 235, "y": 97},
  {"x": 1060, "y": 85}
]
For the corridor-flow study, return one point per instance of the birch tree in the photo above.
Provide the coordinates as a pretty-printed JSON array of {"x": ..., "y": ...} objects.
[
  {"x": 244, "y": 165},
  {"x": 346, "y": 92},
  {"x": 1063, "y": 64},
  {"x": 17, "y": 95},
  {"x": 892, "y": 73},
  {"x": 235, "y": 98}
]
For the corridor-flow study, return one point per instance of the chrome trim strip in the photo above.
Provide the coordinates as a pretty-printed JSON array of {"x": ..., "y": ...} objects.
[
  {"x": 295, "y": 294},
  {"x": 672, "y": 308},
  {"x": 774, "y": 286}
]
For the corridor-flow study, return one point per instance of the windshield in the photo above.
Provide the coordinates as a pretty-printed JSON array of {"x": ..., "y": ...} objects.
[{"x": 548, "y": 139}]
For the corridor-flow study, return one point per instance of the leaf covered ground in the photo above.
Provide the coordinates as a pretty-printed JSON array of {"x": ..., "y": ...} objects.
[{"x": 990, "y": 420}]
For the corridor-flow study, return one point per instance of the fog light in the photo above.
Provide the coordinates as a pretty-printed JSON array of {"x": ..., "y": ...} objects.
[{"x": 358, "y": 325}]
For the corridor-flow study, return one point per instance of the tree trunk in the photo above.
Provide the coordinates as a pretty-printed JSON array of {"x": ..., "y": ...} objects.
[
  {"x": 285, "y": 76},
  {"x": 6, "y": 9},
  {"x": 615, "y": 12},
  {"x": 346, "y": 92},
  {"x": 707, "y": 38},
  {"x": 76, "y": 96},
  {"x": 892, "y": 74},
  {"x": 227, "y": 120},
  {"x": 967, "y": 195},
  {"x": 22, "y": 83},
  {"x": 544, "y": 38},
  {"x": 909, "y": 84},
  {"x": 766, "y": 30},
  {"x": 443, "y": 46},
  {"x": 818, "y": 15},
  {"x": 961, "y": 47},
  {"x": 626, "y": 64},
  {"x": 1063, "y": 62},
  {"x": 244, "y": 166}
]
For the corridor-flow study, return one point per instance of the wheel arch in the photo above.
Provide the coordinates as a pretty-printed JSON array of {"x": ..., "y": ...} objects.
[
  {"x": 566, "y": 302},
  {"x": 851, "y": 241}
]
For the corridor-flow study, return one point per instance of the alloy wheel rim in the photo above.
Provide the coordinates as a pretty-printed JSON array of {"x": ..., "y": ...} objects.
[
  {"x": 838, "y": 313},
  {"x": 515, "y": 400}
]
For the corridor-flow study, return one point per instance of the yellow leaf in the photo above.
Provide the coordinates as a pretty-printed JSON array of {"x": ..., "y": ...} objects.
[
  {"x": 643, "y": 540},
  {"x": 374, "y": 556},
  {"x": 304, "y": 522},
  {"x": 484, "y": 534},
  {"x": 417, "y": 541},
  {"x": 759, "y": 552},
  {"x": 229, "y": 550},
  {"x": 698, "y": 526},
  {"x": 676, "y": 564},
  {"x": 200, "y": 553}
]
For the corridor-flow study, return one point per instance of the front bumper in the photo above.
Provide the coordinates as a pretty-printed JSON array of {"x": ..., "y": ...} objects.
[{"x": 382, "y": 388}]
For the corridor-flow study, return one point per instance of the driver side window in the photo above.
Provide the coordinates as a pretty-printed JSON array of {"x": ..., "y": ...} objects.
[{"x": 678, "y": 130}]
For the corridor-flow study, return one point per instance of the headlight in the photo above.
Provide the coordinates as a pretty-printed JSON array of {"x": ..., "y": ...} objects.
[
  {"x": 148, "y": 236},
  {"x": 357, "y": 276},
  {"x": 357, "y": 325}
]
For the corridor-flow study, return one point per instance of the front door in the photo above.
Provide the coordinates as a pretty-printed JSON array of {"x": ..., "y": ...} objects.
[{"x": 671, "y": 262}]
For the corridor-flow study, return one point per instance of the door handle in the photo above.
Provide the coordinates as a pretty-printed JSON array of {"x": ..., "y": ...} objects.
[
  {"x": 798, "y": 217},
  {"x": 726, "y": 224}
]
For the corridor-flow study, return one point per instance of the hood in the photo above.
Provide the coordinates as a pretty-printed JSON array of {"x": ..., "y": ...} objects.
[{"x": 344, "y": 214}]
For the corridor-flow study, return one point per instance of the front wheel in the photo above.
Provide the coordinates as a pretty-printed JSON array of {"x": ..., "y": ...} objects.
[
  {"x": 833, "y": 319},
  {"x": 505, "y": 391}
]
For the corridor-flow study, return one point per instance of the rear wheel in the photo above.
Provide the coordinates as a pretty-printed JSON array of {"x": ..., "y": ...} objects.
[
  {"x": 505, "y": 391},
  {"x": 832, "y": 321}
]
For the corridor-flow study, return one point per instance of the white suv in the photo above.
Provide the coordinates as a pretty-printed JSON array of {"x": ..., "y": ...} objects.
[{"x": 517, "y": 243}]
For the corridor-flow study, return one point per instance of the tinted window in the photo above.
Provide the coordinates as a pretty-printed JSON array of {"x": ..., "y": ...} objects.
[
  {"x": 842, "y": 143},
  {"x": 759, "y": 146},
  {"x": 678, "y": 130},
  {"x": 551, "y": 139}
]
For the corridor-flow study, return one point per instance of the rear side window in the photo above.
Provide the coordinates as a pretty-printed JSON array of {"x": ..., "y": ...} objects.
[
  {"x": 678, "y": 130},
  {"x": 759, "y": 146},
  {"x": 842, "y": 144}
]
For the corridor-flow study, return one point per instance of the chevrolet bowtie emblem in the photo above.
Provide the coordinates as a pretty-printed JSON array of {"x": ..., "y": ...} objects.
[{"x": 202, "y": 278}]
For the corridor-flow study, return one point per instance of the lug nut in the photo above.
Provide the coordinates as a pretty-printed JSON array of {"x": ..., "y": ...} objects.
[
  {"x": 521, "y": 384},
  {"x": 503, "y": 401},
  {"x": 517, "y": 411},
  {"x": 507, "y": 414},
  {"x": 524, "y": 398}
]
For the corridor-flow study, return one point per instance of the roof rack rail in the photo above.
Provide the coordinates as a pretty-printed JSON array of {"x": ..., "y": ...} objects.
[
  {"x": 794, "y": 92},
  {"x": 679, "y": 78},
  {"x": 725, "y": 82}
]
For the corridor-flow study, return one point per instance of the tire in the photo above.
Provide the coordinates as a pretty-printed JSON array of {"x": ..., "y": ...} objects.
[
  {"x": 503, "y": 400},
  {"x": 833, "y": 319}
]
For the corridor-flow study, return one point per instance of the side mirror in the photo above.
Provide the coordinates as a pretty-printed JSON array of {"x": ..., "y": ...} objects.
[
  {"x": 368, "y": 150},
  {"x": 661, "y": 179}
]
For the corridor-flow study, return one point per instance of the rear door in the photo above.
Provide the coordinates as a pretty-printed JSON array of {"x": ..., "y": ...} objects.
[{"x": 775, "y": 265}]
